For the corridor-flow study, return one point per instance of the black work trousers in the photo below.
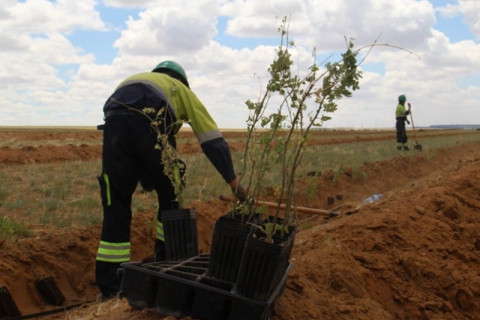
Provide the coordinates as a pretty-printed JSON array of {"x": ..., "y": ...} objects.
[
  {"x": 129, "y": 156},
  {"x": 401, "y": 131}
]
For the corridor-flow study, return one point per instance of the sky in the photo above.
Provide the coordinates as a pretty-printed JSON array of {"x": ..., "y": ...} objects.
[{"x": 60, "y": 60}]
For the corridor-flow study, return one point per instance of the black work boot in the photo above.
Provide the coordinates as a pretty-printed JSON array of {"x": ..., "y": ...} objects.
[
  {"x": 399, "y": 148},
  {"x": 406, "y": 148}
]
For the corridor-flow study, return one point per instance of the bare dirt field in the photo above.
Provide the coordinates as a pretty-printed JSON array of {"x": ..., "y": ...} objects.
[{"x": 413, "y": 254}]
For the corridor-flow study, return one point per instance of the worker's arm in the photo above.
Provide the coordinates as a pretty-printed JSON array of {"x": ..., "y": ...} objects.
[{"x": 218, "y": 152}]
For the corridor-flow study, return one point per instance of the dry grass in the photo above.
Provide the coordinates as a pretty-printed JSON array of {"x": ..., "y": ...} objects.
[{"x": 67, "y": 194}]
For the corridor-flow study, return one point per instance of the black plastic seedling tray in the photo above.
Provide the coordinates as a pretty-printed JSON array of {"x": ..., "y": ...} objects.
[{"x": 182, "y": 288}]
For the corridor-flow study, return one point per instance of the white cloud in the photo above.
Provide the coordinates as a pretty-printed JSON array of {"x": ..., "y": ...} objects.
[
  {"x": 128, "y": 3},
  {"x": 405, "y": 22},
  {"x": 256, "y": 18},
  {"x": 41, "y": 16},
  {"x": 470, "y": 9},
  {"x": 34, "y": 45},
  {"x": 47, "y": 80},
  {"x": 225, "y": 81},
  {"x": 33, "y": 40},
  {"x": 168, "y": 29}
]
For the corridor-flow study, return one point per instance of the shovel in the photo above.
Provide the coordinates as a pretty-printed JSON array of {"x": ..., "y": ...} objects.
[
  {"x": 322, "y": 212},
  {"x": 417, "y": 146}
]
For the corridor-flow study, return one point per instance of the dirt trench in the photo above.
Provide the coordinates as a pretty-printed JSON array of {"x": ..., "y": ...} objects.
[{"x": 413, "y": 254}]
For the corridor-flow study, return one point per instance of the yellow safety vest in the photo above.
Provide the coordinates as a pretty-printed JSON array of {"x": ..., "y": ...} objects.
[{"x": 181, "y": 101}]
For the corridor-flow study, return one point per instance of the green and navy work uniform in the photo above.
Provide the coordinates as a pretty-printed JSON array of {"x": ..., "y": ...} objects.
[
  {"x": 401, "y": 115},
  {"x": 129, "y": 157}
]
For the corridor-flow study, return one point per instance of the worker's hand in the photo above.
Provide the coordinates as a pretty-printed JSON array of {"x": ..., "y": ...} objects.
[
  {"x": 409, "y": 106},
  {"x": 408, "y": 122},
  {"x": 240, "y": 193}
]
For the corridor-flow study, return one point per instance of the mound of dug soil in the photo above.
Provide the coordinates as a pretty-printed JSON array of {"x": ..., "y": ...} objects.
[{"x": 413, "y": 254}]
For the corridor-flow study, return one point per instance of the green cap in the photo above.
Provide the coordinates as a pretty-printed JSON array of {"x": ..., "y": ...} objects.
[
  {"x": 402, "y": 98},
  {"x": 172, "y": 66}
]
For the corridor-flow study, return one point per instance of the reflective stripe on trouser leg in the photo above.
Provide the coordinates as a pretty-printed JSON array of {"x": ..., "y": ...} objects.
[
  {"x": 160, "y": 234},
  {"x": 108, "y": 194},
  {"x": 160, "y": 249},
  {"x": 113, "y": 252}
]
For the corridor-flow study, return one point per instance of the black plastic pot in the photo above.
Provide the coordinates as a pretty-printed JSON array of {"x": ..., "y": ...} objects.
[
  {"x": 228, "y": 241},
  {"x": 164, "y": 285},
  {"x": 180, "y": 231},
  {"x": 264, "y": 264},
  {"x": 175, "y": 294},
  {"x": 140, "y": 288},
  {"x": 217, "y": 301}
]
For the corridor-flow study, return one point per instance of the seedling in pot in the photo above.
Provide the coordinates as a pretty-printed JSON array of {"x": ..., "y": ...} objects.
[{"x": 278, "y": 135}]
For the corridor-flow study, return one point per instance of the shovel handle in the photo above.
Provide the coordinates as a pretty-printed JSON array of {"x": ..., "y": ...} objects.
[{"x": 322, "y": 212}]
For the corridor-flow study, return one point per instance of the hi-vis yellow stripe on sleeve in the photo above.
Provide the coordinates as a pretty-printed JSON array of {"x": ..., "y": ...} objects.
[
  {"x": 160, "y": 235},
  {"x": 113, "y": 252}
]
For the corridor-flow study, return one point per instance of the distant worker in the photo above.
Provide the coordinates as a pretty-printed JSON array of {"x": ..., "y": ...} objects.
[
  {"x": 132, "y": 154},
  {"x": 401, "y": 116}
]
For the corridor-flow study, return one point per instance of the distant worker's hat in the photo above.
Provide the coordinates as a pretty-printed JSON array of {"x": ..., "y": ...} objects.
[{"x": 402, "y": 98}]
